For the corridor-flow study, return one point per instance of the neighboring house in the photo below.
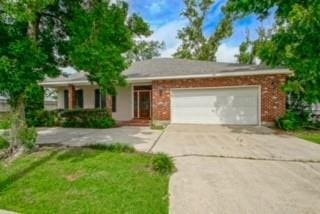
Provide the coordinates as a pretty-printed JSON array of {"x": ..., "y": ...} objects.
[
  {"x": 49, "y": 104},
  {"x": 184, "y": 91}
]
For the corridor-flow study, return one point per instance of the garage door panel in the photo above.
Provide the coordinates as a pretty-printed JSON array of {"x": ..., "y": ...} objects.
[{"x": 215, "y": 106}]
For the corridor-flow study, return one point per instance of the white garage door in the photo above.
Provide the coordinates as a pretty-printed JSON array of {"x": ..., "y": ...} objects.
[{"x": 215, "y": 106}]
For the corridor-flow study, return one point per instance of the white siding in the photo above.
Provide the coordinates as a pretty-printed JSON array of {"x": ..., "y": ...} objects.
[
  {"x": 124, "y": 104},
  {"x": 60, "y": 93}
]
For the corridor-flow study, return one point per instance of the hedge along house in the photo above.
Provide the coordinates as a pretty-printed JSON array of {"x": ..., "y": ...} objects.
[{"x": 184, "y": 91}]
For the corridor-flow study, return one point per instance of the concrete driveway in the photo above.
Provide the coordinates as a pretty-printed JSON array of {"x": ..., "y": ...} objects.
[
  {"x": 241, "y": 170},
  {"x": 142, "y": 138}
]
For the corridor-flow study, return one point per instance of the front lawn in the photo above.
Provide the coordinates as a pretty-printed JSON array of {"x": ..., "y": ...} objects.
[
  {"x": 313, "y": 136},
  {"x": 83, "y": 181}
]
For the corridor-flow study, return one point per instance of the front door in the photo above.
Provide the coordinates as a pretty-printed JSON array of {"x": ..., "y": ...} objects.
[{"x": 142, "y": 104}]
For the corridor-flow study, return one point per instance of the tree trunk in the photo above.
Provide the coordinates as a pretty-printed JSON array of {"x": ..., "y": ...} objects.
[{"x": 18, "y": 123}]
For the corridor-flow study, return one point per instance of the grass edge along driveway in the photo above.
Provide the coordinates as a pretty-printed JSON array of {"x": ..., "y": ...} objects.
[{"x": 83, "y": 180}]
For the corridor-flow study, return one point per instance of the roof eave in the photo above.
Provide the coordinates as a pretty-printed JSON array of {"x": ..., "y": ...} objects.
[
  {"x": 229, "y": 74},
  {"x": 148, "y": 79}
]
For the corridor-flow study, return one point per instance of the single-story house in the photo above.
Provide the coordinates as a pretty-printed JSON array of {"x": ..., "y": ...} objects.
[{"x": 184, "y": 91}]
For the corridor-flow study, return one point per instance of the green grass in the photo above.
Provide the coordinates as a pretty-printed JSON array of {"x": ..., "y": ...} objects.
[
  {"x": 83, "y": 181},
  {"x": 313, "y": 136}
]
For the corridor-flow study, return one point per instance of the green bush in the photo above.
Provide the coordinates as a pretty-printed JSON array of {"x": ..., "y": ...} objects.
[
  {"x": 112, "y": 147},
  {"x": 157, "y": 127},
  {"x": 5, "y": 123},
  {"x": 294, "y": 120},
  {"x": 3, "y": 143},
  {"x": 87, "y": 118},
  {"x": 77, "y": 118},
  {"x": 44, "y": 118},
  {"x": 28, "y": 137},
  {"x": 162, "y": 163}
]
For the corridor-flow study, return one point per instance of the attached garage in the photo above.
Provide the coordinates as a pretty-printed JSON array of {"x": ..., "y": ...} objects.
[{"x": 233, "y": 106}]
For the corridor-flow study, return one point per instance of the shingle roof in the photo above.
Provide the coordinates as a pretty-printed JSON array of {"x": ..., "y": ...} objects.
[
  {"x": 170, "y": 67},
  {"x": 177, "y": 67},
  {"x": 78, "y": 76}
]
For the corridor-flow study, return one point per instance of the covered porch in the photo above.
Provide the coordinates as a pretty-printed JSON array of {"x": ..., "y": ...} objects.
[{"x": 131, "y": 106}]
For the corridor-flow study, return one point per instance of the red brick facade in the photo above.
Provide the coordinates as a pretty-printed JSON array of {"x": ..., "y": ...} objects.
[{"x": 273, "y": 99}]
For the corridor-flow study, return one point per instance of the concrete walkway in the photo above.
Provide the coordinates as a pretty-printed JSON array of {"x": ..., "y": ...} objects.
[
  {"x": 241, "y": 170},
  {"x": 142, "y": 138}
]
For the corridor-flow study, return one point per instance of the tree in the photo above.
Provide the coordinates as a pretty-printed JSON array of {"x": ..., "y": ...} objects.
[
  {"x": 143, "y": 50},
  {"x": 37, "y": 36},
  {"x": 194, "y": 44},
  {"x": 246, "y": 55},
  {"x": 249, "y": 49},
  {"x": 295, "y": 44}
]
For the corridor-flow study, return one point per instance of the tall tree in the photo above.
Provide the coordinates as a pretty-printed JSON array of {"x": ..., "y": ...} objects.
[
  {"x": 295, "y": 43},
  {"x": 246, "y": 55},
  {"x": 36, "y": 36},
  {"x": 143, "y": 50},
  {"x": 249, "y": 49},
  {"x": 194, "y": 43}
]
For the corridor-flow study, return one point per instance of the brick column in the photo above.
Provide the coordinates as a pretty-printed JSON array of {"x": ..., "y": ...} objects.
[{"x": 72, "y": 96}]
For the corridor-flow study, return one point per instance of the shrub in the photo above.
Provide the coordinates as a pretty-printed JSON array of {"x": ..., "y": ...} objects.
[
  {"x": 3, "y": 143},
  {"x": 44, "y": 118},
  {"x": 293, "y": 120},
  {"x": 162, "y": 163},
  {"x": 5, "y": 123},
  {"x": 87, "y": 118},
  {"x": 112, "y": 147},
  {"x": 28, "y": 137},
  {"x": 157, "y": 127}
]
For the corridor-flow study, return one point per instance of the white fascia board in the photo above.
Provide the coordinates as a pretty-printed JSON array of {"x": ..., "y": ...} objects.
[
  {"x": 229, "y": 74},
  {"x": 66, "y": 83}
]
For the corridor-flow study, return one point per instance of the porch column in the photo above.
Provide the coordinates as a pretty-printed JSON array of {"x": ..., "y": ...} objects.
[
  {"x": 109, "y": 104},
  {"x": 72, "y": 96}
]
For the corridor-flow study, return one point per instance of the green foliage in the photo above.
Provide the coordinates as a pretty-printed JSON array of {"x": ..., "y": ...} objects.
[
  {"x": 194, "y": 44},
  {"x": 38, "y": 36},
  {"x": 162, "y": 163},
  {"x": 5, "y": 123},
  {"x": 100, "y": 35},
  {"x": 295, "y": 44},
  {"x": 44, "y": 118},
  {"x": 3, "y": 143},
  {"x": 245, "y": 55},
  {"x": 143, "y": 50},
  {"x": 157, "y": 127},
  {"x": 34, "y": 99},
  {"x": 28, "y": 137},
  {"x": 87, "y": 118},
  {"x": 294, "y": 120},
  {"x": 112, "y": 147}
]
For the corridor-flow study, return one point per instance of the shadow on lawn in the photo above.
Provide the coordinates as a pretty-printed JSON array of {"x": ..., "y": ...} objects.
[
  {"x": 77, "y": 154},
  {"x": 20, "y": 174}
]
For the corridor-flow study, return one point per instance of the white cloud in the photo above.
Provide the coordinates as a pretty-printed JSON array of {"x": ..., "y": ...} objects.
[
  {"x": 168, "y": 34},
  {"x": 226, "y": 53},
  {"x": 155, "y": 7}
]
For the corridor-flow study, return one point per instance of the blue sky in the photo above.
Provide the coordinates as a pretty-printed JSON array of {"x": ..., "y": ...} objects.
[{"x": 165, "y": 20}]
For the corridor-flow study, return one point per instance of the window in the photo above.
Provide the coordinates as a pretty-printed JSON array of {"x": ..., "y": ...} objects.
[
  {"x": 66, "y": 99},
  {"x": 79, "y": 98},
  {"x": 100, "y": 99},
  {"x": 114, "y": 103}
]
